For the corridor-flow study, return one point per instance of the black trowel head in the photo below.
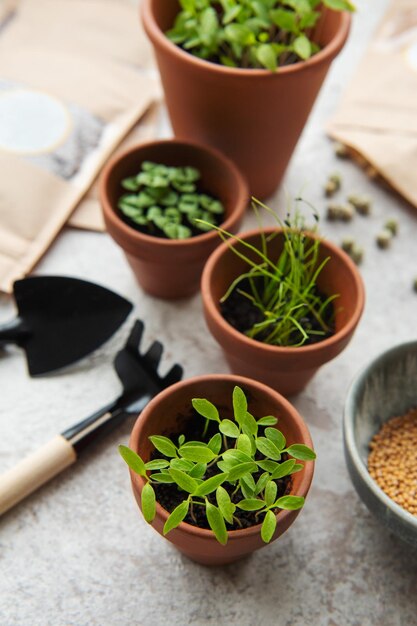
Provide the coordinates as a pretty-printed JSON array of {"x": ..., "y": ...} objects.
[{"x": 65, "y": 319}]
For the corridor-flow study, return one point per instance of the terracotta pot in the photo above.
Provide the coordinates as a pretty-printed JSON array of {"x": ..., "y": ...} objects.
[
  {"x": 287, "y": 369},
  {"x": 254, "y": 116},
  {"x": 165, "y": 415},
  {"x": 169, "y": 268}
]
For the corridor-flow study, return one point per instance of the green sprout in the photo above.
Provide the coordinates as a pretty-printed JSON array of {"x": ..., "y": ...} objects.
[
  {"x": 283, "y": 291},
  {"x": 235, "y": 469},
  {"x": 164, "y": 200},
  {"x": 249, "y": 33}
]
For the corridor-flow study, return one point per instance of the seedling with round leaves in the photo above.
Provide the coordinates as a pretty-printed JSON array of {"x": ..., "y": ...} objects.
[
  {"x": 251, "y": 33},
  {"x": 236, "y": 468},
  {"x": 165, "y": 200}
]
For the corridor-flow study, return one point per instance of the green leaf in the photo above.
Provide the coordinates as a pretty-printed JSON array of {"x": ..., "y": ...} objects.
[
  {"x": 176, "y": 517},
  {"x": 198, "y": 471},
  {"x": 240, "y": 404},
  {"x": 215, "y": 443},
  {"x": 261, "y": 483},
  {"x": 157, "y": 464},
  {"x": 210, "y": 485},
  {"x": 184, "y": 481},
  {"x": 133, "y": 460},
  {"x": 286, "y": 20},
  {"x": 268, "y": 527},
  {"x": 276, "y": 436},
  {"x": 229, "y": 428},
  {"x": 267, "y": 57},
  {"x": 226, "y": 506},
  {"x": 252, "y": 504},
  {"x": 268, "y": 420},
  {"x": 237, "y": 456},
  {"x": 244, "y": 445},
  {"x": 208, "y": 25},
  {"x": 240, "y": 34},
  {"x": 283, "y": 469},
  {"x": 164, "y": 445},
  {"x": 249, "y": 424},
  {"x": 268, "y": 466},
  {"x": 268, "y": 448},
  {"x": 197, "y": 454},
  {"x": 206, "y": 409},
  {"x": 340, "y": 5},
  {"x": 181, "y": 464},
  {"x": 162, "y": 477},
  {"x": 240, "y": 470},
  {"x": 302, "y": 47},
  {"x": 290, "y": 503},
  {"x": 270, "y": 492},
  {"x": 216, "y": 523},
  {"x": 301, "y": 452},
  {"x": 148, "y": 502},
  {"x": 176, "y": 231},
  {"x": 297, "y": 468}
]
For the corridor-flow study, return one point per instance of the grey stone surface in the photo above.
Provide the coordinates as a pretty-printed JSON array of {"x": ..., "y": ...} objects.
[{"x": 78, "y": 553}]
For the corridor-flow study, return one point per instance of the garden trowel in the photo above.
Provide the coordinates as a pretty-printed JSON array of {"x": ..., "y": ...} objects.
[{"x": 61, "y": 319}]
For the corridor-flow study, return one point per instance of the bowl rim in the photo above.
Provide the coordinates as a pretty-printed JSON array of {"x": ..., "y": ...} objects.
[
  {"x": 349, "y": 435},
  {"x": 227, "y": 329},
  {"x": 240, "y": 202}
]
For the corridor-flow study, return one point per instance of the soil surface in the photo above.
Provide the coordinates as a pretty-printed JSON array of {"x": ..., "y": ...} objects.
[
  {"x": 169, "y": 496},
  {"x": 242, "y": 314}
]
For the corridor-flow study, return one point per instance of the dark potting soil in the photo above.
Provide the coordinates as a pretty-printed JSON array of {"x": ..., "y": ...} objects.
[
  {"x": 242, "y": 314},
  {"x": 169, "y": 496}
]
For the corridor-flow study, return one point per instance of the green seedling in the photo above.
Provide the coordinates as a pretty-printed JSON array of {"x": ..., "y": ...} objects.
[
  {"x": 284, "y": 289},
  {"x": 237, "y": 468},
  {"x": 165, "y": 200},
  {"x": 249, "y": 33}
]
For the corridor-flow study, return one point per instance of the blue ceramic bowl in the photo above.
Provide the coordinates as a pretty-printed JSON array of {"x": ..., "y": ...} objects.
[{"x": 384, "y": 389}]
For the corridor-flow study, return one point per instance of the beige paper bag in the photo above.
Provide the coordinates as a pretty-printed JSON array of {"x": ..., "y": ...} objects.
[
  {"x": 63, "y": 111},
  {"x": 377, "y": 118}
]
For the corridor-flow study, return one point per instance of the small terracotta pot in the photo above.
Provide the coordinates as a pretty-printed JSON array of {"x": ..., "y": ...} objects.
[
  {"x": 254, "y": 116},
  {"x": 165, "y": 415},
  {"x": 169, "y": 268},
  {"x": 287, "y": 369}
]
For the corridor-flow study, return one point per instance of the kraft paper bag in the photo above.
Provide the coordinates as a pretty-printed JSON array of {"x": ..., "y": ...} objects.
[
  {"x": 377, "y": 118},
  {"x": 64, "y": 109}
]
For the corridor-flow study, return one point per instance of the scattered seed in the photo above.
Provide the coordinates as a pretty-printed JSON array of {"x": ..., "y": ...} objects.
[
  {"x": 332, "y": 185},
  {"x": 356, "y": 254},
  {"x": 383, "y": 239},
  {"x": 348, "y": 244},
  {"x": 362, "y": 204},
  {"x": 392, "y": 226},
  {"x": 415, "y": 284},
  {"x": 340, "y": 150},
  {"x": 340, "y": 212},
  {"x": 392, "y": 461}
]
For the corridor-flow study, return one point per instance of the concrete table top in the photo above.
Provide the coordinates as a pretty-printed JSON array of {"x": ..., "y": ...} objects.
[{"x": 78, "y": 553}]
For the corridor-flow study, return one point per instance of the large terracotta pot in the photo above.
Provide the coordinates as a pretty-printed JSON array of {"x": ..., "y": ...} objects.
[
  {"x": 287, "y": 369},
  {"x": 165, "y": 415},
  {"x": 169, "y": 268},
  {"x": 254, "y": 116}
]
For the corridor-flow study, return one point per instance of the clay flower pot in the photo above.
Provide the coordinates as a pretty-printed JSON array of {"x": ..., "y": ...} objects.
[
  {"x": 287, "y": 369},
  {"x": 164, "y": 415},
  {"x": 169, "y": 268},
  {"x": 254, "y": 116}
]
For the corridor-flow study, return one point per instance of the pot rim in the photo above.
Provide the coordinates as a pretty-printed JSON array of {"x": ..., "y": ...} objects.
[
  {"x": 233, "y": 535},
  {"x": 340, "y": 335},
  {"x": 351, "y": 447},
  {"x": 241, "y": 197},
  {"x": 159, "y": 38}
]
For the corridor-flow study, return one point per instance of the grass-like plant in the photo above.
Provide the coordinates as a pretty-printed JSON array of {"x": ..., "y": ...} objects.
[
  {"x": 251, "y": 33},
  {"x": 283, "y": 290},
  {"x": 237, "y": 468},
  {"x": 165, "y": 201}
]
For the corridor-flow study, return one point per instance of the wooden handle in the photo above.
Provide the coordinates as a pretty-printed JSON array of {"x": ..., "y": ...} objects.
[{"x": 35, "y": 471}]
